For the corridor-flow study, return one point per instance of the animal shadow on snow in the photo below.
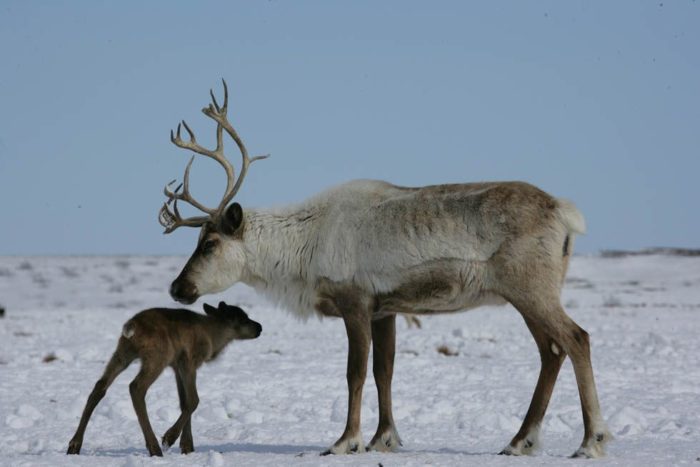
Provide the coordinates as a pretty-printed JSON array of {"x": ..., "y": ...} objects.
[
  {"x": 221, "y": 448},
  {"x": 261, "y": 448}
]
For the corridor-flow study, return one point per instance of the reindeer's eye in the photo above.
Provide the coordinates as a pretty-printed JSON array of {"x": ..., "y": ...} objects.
[{"x": 208, "y": 246}]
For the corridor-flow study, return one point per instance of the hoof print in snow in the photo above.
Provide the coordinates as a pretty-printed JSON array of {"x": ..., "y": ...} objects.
[
  {"x": 446, "y": 351},
  {"x": 49, "y": 358}
]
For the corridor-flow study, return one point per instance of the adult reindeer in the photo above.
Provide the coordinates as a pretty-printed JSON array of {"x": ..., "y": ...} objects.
[{"x": 366, "y": 250}]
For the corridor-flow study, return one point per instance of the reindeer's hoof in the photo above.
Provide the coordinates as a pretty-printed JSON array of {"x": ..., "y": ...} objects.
[
  {"x": 588, "y": 453},
  {"x": 345, "y": 445},
  {"x": 525, "y": 447},
  {"x": 387, "y": 441},
  {"x": 594, "y": 447}
]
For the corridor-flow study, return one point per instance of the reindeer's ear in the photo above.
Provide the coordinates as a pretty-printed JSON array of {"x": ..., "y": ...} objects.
[
  {"x": 233, "y": 218},
  {"x": 210, "y": 310}
]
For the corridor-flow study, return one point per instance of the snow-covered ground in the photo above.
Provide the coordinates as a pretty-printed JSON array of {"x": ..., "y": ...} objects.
[{"x": 281, "y": 399}]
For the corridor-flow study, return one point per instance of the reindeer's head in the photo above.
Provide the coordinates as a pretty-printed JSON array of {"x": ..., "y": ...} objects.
[{"x": 219, "y": 259}]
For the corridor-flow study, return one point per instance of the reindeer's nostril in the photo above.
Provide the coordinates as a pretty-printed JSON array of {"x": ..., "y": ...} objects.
[{"x": 183, "y": 292}]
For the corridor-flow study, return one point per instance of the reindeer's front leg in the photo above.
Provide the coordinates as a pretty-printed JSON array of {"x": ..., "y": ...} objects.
[
  {"x": 384, "y": 345},
  {"x": 358, "y": 327}
]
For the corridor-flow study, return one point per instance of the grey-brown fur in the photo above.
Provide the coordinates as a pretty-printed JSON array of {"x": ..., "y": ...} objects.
[
  {"x": 161, "y": 337},
  {"x": 366, "y": 250}
]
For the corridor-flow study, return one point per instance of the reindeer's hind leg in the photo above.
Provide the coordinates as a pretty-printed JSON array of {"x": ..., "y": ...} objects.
[
  {"x": 121, "y": 359},
  {"x": 384, "y": 345},
  {"x": 151, "y": 368},
  {"x": 575, "y": 342},
  {"x": 551, "y": 356},
  {"x": 546, "y": 314}
]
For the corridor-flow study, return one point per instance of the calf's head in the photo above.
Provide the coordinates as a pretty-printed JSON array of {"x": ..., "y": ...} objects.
[{"x": 236, "y": 321}]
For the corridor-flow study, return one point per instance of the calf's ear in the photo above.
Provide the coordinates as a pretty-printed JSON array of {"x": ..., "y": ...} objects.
[{"x": 210, "y": 310}]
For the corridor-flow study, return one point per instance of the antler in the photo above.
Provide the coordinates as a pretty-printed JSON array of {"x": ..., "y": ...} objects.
[
  {"x": 218, "y": 114},
  {"x": 171, "y": 220}
]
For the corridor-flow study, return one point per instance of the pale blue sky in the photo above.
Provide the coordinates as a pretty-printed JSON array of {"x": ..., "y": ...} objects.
[{"x": 595, "y": 101}]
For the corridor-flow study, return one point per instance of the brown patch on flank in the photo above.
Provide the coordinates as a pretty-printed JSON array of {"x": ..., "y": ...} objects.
[
  {"x": 326, "y": 307},
  {"x": 335, "y": 299},
  {"x": 422, "y": 292}
]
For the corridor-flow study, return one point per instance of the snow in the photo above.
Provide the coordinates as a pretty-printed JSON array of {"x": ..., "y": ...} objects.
[{"x": 281, "y": 399}]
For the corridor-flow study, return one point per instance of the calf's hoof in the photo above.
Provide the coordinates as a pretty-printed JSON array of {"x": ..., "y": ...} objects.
[
  {"x": 186, "y": 449},
  {"x": 155, "y": 451},
  {"x": 74, "y": 447}
]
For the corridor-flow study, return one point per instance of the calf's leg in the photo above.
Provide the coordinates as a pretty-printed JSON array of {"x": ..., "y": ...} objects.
[
  {"x": 150, "y": 370},
  {"x": 118, "y": 363}
]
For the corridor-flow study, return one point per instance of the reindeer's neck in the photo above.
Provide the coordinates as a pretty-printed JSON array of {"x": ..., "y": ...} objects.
[{"x": 280, "y": 245}]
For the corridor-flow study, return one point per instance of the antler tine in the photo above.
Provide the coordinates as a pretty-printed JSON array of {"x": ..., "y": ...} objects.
[
  {"x": 192, "y": 143},
  {"x": 213, "y": 100},
  {"x": 185, "y": 195},
  {"x": 244, "y": 170},
  {"x": 171, "y": 220}
]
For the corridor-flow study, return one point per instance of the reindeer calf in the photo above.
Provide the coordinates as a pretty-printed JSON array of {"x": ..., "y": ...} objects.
[{"x": 162, "y": 337}]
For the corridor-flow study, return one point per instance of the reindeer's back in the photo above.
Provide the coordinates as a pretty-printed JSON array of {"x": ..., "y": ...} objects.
[{"x": 379, "y": 228}]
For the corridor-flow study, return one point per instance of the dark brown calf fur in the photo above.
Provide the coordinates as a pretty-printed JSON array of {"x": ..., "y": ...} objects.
[{"x": 161, "y": 337}]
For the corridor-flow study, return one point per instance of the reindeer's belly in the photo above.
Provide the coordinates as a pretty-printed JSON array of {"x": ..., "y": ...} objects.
[
  {"x": 434, "y": 287},
  {"x": 438, "y": 287},
  {"x": 436, "y": 293}
]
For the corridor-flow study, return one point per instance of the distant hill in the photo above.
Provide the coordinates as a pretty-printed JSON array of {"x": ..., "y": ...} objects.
[{"x": 668, "y": 251}]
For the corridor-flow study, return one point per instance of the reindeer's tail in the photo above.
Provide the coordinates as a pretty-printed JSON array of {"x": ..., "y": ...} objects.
[
  {"x": 571, "y": 217},
  {"x": 128, "y": 329},
  {"x": 573, "y": 221}
]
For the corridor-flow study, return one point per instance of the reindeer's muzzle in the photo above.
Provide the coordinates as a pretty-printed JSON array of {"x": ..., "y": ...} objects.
[{"x": 183, "y": 291}]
